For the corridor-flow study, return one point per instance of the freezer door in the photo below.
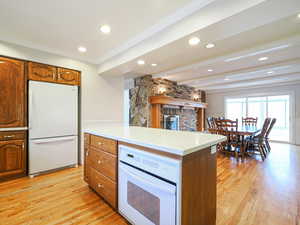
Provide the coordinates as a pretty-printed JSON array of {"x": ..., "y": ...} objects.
[
  {"x": 52, "y": 153},
  {"x": 53, "y": 110}
]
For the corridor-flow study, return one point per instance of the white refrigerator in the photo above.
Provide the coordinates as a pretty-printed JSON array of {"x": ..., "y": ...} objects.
[{"x": 53, "y": 126}]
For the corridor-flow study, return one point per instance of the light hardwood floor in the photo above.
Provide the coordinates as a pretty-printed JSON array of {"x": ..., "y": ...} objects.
[{"x": 249, "y": 193}]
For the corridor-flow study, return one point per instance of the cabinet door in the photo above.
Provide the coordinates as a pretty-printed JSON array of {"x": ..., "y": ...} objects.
[
  {"x": 12, "y": 158},
  {"x": 12, "y": 93},
  {"x": 41, "y": 72},
  {"x": 67, "y": 76}
]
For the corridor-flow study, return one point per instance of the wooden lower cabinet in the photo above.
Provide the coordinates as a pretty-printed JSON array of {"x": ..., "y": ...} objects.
[
  {"x": 100, "y": 167},
  {"x": 12, "y": 154}
]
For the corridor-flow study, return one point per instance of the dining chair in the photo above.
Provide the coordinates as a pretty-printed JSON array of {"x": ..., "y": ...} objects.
[
  {"x": 249, "y": 121},
  {"x": 257, "y": 143},
  {"x": 229, "y": 128},
  {"x": 268, "y": 134},
  {"x": 210, "y": 122}
]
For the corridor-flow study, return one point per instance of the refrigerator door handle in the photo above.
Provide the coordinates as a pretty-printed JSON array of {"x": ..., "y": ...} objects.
[
  {"x": 50, "y": 140},
  {"x": 30, "y": 108}
]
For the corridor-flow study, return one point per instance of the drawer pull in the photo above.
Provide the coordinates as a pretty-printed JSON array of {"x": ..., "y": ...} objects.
[
  {"x": 100, "y": 186},
  {"x": 9, "y": 136},
  {"x": 87, "y": 153},
  {"x": 100, "y": 143}
]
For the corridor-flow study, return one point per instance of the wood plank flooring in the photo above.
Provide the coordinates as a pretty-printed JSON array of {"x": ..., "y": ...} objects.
[{"x": 249, "y": 193}]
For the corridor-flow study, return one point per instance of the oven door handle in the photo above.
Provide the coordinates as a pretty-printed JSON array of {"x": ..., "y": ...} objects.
[{"x": 148, "y": 182}]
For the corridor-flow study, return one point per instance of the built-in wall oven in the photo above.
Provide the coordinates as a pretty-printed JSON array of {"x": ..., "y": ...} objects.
[{"x": 148, "y": 187}]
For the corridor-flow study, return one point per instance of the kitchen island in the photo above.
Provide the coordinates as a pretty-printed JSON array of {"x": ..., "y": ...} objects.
[{"x": 154, "y": 176}]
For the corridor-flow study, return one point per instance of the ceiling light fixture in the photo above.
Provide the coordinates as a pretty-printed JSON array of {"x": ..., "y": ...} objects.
[
  {"x": 141, "y": 62},
  {"x": 194, "y": 41},
  {"x": 153, "y": 64},
  {"x": 210, "y": 70},
  {"x": 210, "y": 45},
  {"x": 82, "y": 49},
  {"x": 263, "y": 58},
  {"x": 105, "y": 29}
]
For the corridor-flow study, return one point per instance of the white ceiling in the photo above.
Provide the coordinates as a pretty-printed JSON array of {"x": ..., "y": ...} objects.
[
  {"x": 158, "y": 31},
  {"x": 60, "y": 26}
]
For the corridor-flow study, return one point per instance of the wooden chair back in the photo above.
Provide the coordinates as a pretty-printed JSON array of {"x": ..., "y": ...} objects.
[
  {"x": 265, "y": 128},
  {"x": 270, "y": 127},
  {"x": 228, "y": 125},
  {"x": 249, "y": 121}
]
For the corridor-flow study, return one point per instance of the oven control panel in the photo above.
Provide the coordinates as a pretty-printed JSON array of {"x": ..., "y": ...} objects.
[{"x": 158, "y": 165}]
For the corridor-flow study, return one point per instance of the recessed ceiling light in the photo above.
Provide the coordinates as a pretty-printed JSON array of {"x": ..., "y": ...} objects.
[
  {"x": 226, "y": 79},
  {"x": 141, "y": 62},
  {"x": 82, "y": 49},
  {"x": 210, "y": 70},
  {"x": 194, "y": 41},
  {"x": 153, "y": 64},
  {"x": 105, "y": 29},
  {"x": 263, "y": 58},
  {"x": 210, "y": 45},
  {"x": 298, "y": 15},
  {"x": 270, "y": 72}
]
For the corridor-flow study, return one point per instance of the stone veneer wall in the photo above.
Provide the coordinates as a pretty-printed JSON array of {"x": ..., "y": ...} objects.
[{"x": 146, "y": 86}]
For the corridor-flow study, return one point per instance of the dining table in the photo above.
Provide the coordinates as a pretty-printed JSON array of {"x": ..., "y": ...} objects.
[{"x": 242, "y": 132}]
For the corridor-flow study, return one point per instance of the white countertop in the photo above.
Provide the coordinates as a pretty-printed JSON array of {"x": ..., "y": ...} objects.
[
  {"x": 175, "y": 142},
  {"x": 14, "y": 129}
]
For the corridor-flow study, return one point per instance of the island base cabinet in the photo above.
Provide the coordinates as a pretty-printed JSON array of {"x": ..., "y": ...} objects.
[{"x": 198, "y": 171}]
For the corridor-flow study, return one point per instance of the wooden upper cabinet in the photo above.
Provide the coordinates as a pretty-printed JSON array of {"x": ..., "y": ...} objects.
[
  {"x": 67, "y": 76},
  {"x": 41, "y": 72},
  {"x": 12, "y": 93}
]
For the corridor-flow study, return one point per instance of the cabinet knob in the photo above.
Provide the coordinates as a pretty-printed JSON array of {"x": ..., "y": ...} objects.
[
  {"x": 100, "y": 143},
  {"x": 87, "y": 153},
  {"x": 99, "y": 162},
  {"x": 100, "y": 186}
]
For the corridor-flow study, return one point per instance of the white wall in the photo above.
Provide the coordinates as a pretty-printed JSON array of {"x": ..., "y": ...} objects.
[
  {"x": 101, "y": 98},
  {"x": 216, "y": 106}
]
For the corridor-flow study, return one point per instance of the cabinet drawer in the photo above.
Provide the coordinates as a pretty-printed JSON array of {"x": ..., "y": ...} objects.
[
  {"x": 105, "y": 144},
  {"x": 104, "y": 187},
  {"x": 103, "y": 162},
  {"x": 12, "y": 135}
]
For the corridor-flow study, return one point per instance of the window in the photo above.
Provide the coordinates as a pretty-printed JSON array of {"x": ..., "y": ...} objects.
[
  {"x": 262, "y": 107},
  {"x": 236, "y": 108}
]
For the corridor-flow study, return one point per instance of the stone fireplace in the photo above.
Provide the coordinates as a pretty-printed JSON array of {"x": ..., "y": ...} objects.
[{"x": 146, "y": 86}]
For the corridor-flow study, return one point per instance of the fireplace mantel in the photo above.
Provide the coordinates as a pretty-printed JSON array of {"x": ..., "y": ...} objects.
[
  {"x": 157, "y": 101},
  {"x": 165, "y": 100}
]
